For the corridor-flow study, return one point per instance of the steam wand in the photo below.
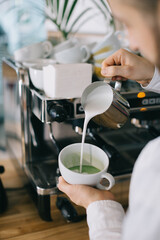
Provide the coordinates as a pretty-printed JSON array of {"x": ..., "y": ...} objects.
[
  {"x": 144, "y": 124},
  {"x": 53, "y": 139}
]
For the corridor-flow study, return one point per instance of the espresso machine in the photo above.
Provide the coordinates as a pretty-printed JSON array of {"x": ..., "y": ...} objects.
[{"x": 38, "y": 127}]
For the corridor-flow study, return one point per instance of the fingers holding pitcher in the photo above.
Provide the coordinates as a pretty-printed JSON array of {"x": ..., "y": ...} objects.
[{"x": 124, "y": 65}]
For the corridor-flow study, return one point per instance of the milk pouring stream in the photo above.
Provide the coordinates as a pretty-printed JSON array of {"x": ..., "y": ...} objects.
[{"x": 97, "y": 102}]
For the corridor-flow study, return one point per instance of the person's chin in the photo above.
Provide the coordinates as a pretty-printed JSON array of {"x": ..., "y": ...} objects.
[{"x": 150, "y": 56}]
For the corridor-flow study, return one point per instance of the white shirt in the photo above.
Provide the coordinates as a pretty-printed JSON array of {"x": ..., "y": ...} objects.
[
  {"x": 154, "y": 85},
  {"x": 106, "y": 219}
]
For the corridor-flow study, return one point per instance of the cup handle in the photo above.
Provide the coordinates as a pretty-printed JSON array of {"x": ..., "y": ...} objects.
[
  {"x": 123, "y": 40},
  {"x": 119, "y": 34},
  {"x": 47, "y": 48},
  {"x": 111, "y": 180},
  {"x": 86, "y": 51}
]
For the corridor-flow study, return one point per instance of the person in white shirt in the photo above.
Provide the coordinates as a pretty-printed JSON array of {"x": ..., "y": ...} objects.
[{"x": 105, "y": 217}]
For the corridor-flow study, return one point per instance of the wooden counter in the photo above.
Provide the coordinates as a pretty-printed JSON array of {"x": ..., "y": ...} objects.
[{"x": 22, "y": 222}]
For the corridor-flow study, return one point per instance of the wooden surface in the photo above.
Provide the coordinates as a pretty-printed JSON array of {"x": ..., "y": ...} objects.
[{"x": 22, "y": 222}]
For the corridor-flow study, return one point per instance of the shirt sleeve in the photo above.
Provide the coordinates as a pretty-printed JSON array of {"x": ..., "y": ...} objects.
[
  {"x": 142, "y": 221},
  {"x": 154, "y": 84},
  {"x": 104, "y": 220}
]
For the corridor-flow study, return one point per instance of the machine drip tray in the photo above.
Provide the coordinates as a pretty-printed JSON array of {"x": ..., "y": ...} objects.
[
  {"x": 128, "y": 141},
  {"x": 43, "y": 176}
]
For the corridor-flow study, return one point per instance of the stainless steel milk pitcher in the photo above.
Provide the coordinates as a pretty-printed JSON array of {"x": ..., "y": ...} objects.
[{"x": 117, "y": 113}]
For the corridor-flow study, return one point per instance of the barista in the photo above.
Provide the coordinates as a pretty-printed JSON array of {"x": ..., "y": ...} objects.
[{"x": 106, "y": 218}]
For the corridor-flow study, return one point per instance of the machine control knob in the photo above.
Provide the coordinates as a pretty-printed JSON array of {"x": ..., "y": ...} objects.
[{"x": 57, "y": 113}]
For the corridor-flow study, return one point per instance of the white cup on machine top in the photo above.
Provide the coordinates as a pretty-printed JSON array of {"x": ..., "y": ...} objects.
[
  {"x": 36, "y": 76},
  {"x": 39, "y": 62},
  {"x": 34, "y": 51},
  {"x": 75, "y": 54},
  {"x": 36, "y": 71},
  {"x": 64, "y": 45},
  {"x": 106, "y": 47}
]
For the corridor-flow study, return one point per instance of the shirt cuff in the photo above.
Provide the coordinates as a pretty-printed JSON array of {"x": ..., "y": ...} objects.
[
  {"x": 105, "y": 214},
  {"x": 154, "y": 84}
]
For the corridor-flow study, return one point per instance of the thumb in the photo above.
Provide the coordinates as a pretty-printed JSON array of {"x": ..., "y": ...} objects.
[
  {"x": 112, "y": 71},
  {"x": 63, "y": 185}
]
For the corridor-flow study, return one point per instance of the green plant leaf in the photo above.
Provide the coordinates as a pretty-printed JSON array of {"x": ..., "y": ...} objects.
[
  {"x": 64, "y": 8},
  {"x": 85, "y": 20},
  {"x": 94, "y": 1},
  {"x": 71, "y": 11},
  {"x": 51, "y": 1},
  {"x": 57, "y": 6},
  {"x": 47, "y": 2},
  {"x": 50, "y": 5},
  {"x": 105, "y": 5},
  {"x": 78, "y": 18},
  {"x": 53, "y": 20}
]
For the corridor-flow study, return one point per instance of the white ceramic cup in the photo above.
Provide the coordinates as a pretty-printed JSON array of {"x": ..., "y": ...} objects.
[
  {"x": 93, "y": 155},
  {"x": 64, "y": 45},
  {"x": 76, "y": 54},
  {"x": 36, "y": 71},
  {"x": 34, "y": 51},
  {"x": 107, "y": 46},
  {"x": 36, "y": 76},
  {"x": 39, "y": 62},
  {"x": 103, "y": 55}
]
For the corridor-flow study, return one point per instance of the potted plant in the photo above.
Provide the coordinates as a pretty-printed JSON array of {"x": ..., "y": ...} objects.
[{"x": 61, "y": 14}]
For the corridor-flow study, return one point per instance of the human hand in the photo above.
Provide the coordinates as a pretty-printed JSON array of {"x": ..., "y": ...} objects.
[
  {"x": 83, "y": 195},
  {"x": 123, "y": 65}
]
